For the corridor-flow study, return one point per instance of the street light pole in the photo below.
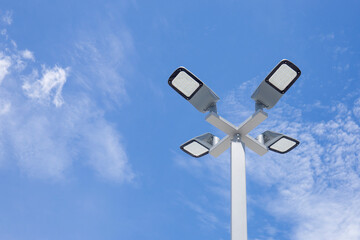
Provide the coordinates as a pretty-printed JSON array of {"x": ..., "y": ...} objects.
[
  {"x": 268, "y": 93},
  {"x": 238, "y": 190}
]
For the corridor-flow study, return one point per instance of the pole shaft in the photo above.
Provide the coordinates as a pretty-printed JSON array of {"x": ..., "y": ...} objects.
[{"x": 238, "y": 191}]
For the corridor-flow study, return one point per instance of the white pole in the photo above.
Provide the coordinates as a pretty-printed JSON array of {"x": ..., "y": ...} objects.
[{"x": 238, "y": 190}]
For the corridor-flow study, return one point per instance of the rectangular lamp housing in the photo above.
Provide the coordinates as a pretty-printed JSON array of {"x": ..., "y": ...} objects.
[
  {"x": 276, "y": 84},
  {"x": 200, "y": 145},
  {"x": 192, "y": 89},
  {"x": 278, "y": 142}
]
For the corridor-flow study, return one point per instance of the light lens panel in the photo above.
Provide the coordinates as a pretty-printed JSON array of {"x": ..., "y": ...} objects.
[
  {"x": 184, "y": 83},
  {"x": 195, "y": 149},
  {"x": 284, "y": 145},
  {"x": 283, "y": 76}
]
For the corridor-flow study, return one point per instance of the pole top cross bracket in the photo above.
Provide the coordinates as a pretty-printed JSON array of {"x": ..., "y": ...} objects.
[{"x": 242, "y": 130}]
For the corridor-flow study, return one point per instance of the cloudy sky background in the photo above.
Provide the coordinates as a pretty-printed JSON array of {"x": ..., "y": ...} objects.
[{"x": 90, "y": 130}]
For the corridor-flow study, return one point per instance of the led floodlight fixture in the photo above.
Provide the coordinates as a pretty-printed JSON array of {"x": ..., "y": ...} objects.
[
  {"x": 193, "y": 90},
  {"x": 278, "y": 142},
  {"x": 200, "y": 145},
  {"x": 276, "y": 84}
]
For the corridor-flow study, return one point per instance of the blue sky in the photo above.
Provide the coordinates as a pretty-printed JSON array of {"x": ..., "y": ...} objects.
[{"x": 90, "y": 130}]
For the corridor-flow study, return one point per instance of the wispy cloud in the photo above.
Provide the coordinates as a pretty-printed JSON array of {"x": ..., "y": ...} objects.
[
  {"x": 7, "y": 18},
  {"x": 207, "y": 218},
  {"x": 216, "y": 171},
  {"x": 45, "y": 128},
  {"x": 105, "y": 59},
  {"x": 356, "y": 109},
  {"x": 51, "y": 83},
  {"x": 324, "y": 37},
  {"x": 4, "y": 107},
  {"x": 5, "y": 63},
  {"x": 39, "y": 147},
  {"x": 108, "y": 156},
  {"x": 342, "y": 68},
  {"x": 340, "y": 50},
  {"x": 26, "y": 54},
  {"x": 205, "y": 213}
]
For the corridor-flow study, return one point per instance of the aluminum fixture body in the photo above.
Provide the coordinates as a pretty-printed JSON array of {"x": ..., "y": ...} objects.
[{"x": 204, "y": 99}]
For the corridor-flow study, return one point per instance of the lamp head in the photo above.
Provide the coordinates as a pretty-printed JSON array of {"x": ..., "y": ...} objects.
[
  {"x": 280, "y": 79},
  {"x": 193, "y": 89},
  {"x": 200, "y": 145},
  {"x": 278, "y": 142}
]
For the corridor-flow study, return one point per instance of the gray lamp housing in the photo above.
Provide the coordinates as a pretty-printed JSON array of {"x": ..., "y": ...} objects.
[
  {"x": 278, "y": 142},
  {"x": 193, "y": 89},
  {"x": 200, "y": 145},
  {"x": 273, "y": 87}
]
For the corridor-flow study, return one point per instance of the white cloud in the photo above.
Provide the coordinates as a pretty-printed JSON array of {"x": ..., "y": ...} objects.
[
  {"x": 51, "y": 83},
  {"x": 340, "y": 50},
  {"x": 5, "y": 107},
  {"x": 104, "y": 58},
  {"x": 44, "y": 141},
  {"x": 216, "y": 171},
  {"x": 5, "y": 63},
  {"x": 322, "y": 216},
  {"x": 207, "y": 218},
  {"x": 342, "y": 68},
  {"x": 27, "y": 54},
  {"x": 38, "y": 146},
  {"x": 356, "y": 109},
  {"x": 324, "y": 37},
  {"x": 7, "y": 18},
  {"x": 108, "y": 156},
  {"x": 311, "y": 179}
]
